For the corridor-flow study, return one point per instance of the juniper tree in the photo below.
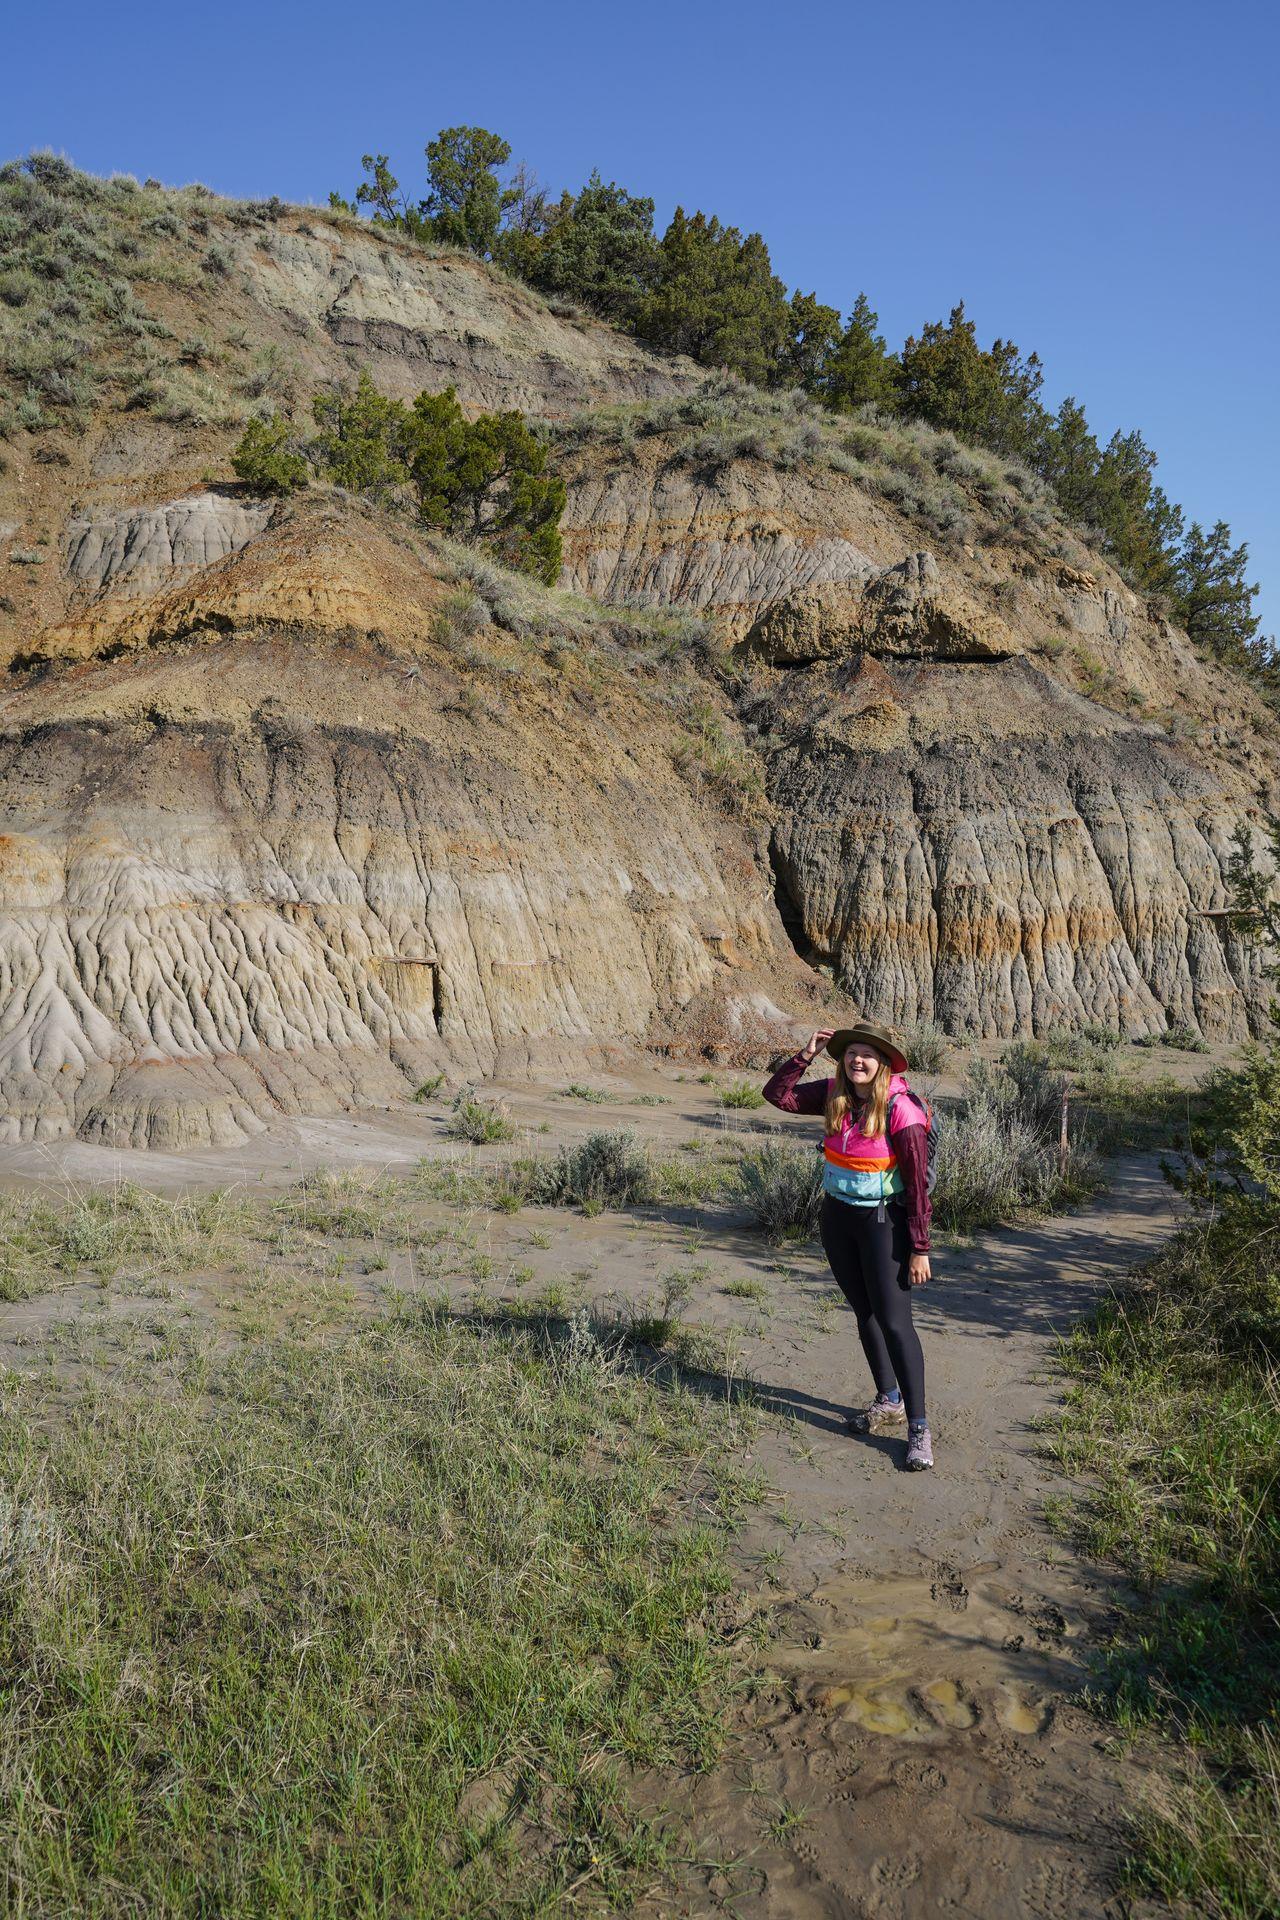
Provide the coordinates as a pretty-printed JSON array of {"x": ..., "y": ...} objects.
[
  {"x": 718, "y": 299},
  {"x": 1215, "y": 603},
  {"x": 986, "y": 395},
  {"x": 860, "y": 367},
  {"x": 599, "y": 248},
  {"x": 815, "y": 333},
  {"x": 466, "y": 201},
  {"x": 380, "y": 190},
  {"x": 361, "y": 442},
  {"x": 1140, "y": 523},
  {"x": 1070, "y": 460},
  {"x": 485, "y": 480},
  {"x": 266, "y": 459}
]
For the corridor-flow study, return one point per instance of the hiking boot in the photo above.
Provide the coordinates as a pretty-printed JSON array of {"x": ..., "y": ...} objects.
[
  {"x": 883, "y": 1412},
  {"x": 919, "y": 1451}
]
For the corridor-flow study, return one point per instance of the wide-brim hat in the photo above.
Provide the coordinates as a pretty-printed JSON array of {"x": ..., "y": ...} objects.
[{"x": 880, "y": 1037}]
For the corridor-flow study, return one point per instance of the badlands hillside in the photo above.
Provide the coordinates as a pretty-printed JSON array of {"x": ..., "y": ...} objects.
[{"x": 303, "y": 803}]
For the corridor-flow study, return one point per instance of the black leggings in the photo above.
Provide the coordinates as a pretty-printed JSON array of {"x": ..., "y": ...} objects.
[{"x": 870, "y": 1259}]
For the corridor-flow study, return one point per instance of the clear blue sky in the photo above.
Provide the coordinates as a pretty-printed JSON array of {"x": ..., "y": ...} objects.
[{"x": 1098, "y": 182}]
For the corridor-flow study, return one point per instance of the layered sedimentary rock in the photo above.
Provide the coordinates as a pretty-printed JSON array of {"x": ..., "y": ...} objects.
[
  {"x": 960, "y": 833},
  {"x": 422, "y": 320},
  {"x": 653, "y": 529},
  {"x": 999, "y": 856},
  {"x": 279, "y": 863},
  {"x": 292, "y": 814},
  {"x": 905, "y": 611},
  {"x": 138, "y": 549}
]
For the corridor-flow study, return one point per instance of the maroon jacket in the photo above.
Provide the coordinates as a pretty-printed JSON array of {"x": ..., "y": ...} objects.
[{"x": 910, "y": 1144}]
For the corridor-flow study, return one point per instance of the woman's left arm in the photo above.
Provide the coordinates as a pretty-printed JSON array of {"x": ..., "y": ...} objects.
[{"x": 911, "y": 1146}]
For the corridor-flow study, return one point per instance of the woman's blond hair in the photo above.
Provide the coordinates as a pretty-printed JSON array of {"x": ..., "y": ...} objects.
[{"x": 874, "y": 1116}]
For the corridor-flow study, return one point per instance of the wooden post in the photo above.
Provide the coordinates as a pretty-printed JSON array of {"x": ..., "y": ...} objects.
[{"x": 1062, "y": 1138}]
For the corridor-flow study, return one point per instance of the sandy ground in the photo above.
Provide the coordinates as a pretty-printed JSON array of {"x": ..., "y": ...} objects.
[
  {"x": 919, "y": 1751},
  {"x": 913, "y": 1748}
]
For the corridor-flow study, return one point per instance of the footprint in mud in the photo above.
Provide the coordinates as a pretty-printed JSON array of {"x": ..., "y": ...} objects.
[
  {"x": 1056, "y": 1890},
  {"x": 945, "y": 1702},
  {"x": 919, "y": 1774},
  {"x": 1021, "y": 1712},
  {"x": 948, "y": 1588},
  {"x": 1050, "y": 1624},
  {"x": 895, "y": 1876}
]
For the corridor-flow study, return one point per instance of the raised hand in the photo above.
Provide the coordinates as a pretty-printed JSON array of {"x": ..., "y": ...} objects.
[{"x": 816, "y": 1042}]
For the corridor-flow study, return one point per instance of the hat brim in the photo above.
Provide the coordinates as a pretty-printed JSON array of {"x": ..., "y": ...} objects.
[{"x": 838, "y": 1042}]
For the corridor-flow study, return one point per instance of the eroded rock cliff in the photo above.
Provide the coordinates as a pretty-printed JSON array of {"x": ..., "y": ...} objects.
[
  {"x": 279, "y": 861},
  {"x": 298, "y": 805},
  {"x": 1003, "y": 788}
]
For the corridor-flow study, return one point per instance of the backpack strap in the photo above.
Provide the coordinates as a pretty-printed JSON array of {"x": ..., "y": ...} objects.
[{"x": 920, "y": 1101}]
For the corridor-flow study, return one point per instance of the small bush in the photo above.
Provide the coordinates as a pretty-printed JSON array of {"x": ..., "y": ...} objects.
[
  {"x": 781, "y": 1186},
  {"x": 999, "y": 1155},
  {"x": 926, "y": 1047},
  {"x": 1183, "y": 1040},
  {"x": 429, "y": 1088},
  {"x": 265, "y": 460},
  {"x": 746, "y": 1289},
  {"x": 741, "y": 1093},
  {"x": 595, "y": 1096},
  {"x": 606, "y": 1169},
  {"x": 653, "y": 1324},
  {"x": 473, "y": 1120}
]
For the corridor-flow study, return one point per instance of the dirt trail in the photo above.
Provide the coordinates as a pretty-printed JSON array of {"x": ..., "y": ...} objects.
[
  {"x": 919, "y": 1753},
  {"x": 914, "y": 1749}
]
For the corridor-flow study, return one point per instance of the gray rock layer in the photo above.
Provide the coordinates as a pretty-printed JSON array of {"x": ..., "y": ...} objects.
[
  {"x": 138, "y": 549},
  {"x": 421, "y": 320},
  {"x": 977, "y": 847},
  {"x": 297, "y": 917}
]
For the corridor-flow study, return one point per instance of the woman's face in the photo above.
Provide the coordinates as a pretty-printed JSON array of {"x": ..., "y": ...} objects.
[{"x": 861, "y": 1064}]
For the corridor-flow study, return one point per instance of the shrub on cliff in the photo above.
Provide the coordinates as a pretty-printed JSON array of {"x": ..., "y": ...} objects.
[
  {"x": 718, "y": 299},
  {"x": 266, "y": 458},
  {"x": 361, "y": 442},
  {"x": 485, "y": 480},
  {"x": 599, "y": 249}
]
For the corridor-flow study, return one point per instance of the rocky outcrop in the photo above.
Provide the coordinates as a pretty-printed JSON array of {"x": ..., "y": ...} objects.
[
  {"x": 280, "y": 863},
  {"x": 959, "y": 834},
  {"x": 652, "y": 529},
  {"x": 137, "y": 549},
  {"x": 419, "y": 319},
  {"x": 297, "y": 804},
  {"x": 1001, "y": 856},
  {"x": 905, "y": 611}
]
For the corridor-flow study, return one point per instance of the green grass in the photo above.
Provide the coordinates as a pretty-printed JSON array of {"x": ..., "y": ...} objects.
[
  {"x": 350, "y": 1205},
  {"x": 1173, "y": 1417},
  {"x": 741, "y": 1093},
  {"x": 374, "y": 1623},
  {"x": 479, "y": 1122},
  {"x": 103, "y": 1232},
  {"x": 595, "y": 1096},
  {"x": 746, "y": 1289}
]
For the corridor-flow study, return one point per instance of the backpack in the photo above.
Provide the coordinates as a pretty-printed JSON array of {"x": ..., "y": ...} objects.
[{"x": 931, "y": 1138}]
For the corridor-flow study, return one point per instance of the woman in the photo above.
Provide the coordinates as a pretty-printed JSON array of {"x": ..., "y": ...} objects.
[{"x": 875, "y": 1209}]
